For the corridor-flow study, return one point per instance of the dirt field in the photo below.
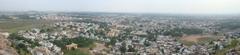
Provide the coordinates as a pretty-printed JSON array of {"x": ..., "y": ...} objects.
[{"x": 196, "y": 38}]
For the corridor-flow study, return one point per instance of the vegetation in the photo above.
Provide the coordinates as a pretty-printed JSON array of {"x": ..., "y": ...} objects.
[
  {"x": 181, "y": 31},
  {"x": 16, "y": 37},
  {"x": 21, "y": 24},
  {"x": 21, "y": 47},
  {"x": 81, "y": 41},
  {"x": 75, "y": 52},
  {"x": 123, "y": 48},
  {"x": 4, "y": 17},
  {"x": 102, "y": 24},
  {"x": 112, "y": 41},
  {"x": 234, "y": 43},
  {"x": 230, "y": 24}
]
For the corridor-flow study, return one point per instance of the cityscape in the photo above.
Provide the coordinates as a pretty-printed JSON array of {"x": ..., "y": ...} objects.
[{"x": 103, "y": 31}]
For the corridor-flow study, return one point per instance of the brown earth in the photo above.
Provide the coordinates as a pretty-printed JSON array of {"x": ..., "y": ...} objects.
[{"x": 193, "y": 38}]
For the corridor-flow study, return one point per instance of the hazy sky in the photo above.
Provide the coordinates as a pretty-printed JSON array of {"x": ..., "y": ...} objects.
[{"x": 142, "y": 6}]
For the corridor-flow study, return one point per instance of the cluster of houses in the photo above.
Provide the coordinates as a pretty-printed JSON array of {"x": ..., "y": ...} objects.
[
  {"x": 60, "y": 30},
  {"x": 164, "y": 45},
  {"x": 45, "y": 46},
  {"x": 131, "y": 45}
]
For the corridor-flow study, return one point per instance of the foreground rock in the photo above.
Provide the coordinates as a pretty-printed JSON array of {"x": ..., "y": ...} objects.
[{"x": 5, "y": 48}]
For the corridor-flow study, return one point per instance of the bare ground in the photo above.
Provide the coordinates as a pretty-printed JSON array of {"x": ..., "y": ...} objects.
[{"x": 193, "y": 38}]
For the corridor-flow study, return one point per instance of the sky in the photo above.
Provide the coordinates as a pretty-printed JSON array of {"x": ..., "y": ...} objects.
[{"x": 135, "y": 6}]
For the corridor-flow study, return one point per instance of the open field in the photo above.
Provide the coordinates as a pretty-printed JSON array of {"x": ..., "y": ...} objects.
[
  {"x": 21, "y": 24},
  {"x": 193, "y": 39}
]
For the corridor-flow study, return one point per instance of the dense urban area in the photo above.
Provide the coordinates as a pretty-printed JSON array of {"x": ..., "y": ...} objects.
[{"x": 98, "y": 33}]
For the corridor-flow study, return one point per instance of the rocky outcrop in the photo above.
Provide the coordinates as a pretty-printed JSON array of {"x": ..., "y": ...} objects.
[{"x": 5, "y": 44}]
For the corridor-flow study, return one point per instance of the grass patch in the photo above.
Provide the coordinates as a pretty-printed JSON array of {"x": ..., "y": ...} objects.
[{"x": 79, "y": 51}]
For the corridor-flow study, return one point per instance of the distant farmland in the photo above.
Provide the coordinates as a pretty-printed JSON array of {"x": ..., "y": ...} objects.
[{"x": 14, "y": 25}]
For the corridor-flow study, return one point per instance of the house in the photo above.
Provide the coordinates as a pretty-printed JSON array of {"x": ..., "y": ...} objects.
[{"x": 72, "y": 46}]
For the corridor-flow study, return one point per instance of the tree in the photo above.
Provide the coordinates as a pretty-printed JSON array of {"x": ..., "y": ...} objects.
[
  {"x": 81, "y": 41},
  {"x": 123, "y": 48},
  {"x": 131, "y": 49}
]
